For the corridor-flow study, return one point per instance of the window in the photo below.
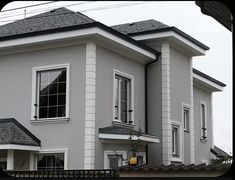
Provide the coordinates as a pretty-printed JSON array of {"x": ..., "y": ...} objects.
[
  {"x": 175, "y": 141},
  {"x": 141, "y": 158},
  {"x": 114, "y": 159},
  {"x": 186, "y": 118},
  {"x": 50, "y": 161},
  {"x": 123, "y": 111},
  {"x": 51, "y": 92},
  {"x": 203, "y": 121}
]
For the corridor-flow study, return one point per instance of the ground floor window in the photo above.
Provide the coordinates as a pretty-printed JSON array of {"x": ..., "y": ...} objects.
[
  {"x": 50, "y": 161},
  {"x": 114, "y": 159}
]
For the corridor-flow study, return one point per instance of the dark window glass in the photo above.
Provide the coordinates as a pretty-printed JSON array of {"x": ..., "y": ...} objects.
[
  {"x": 52, "y": 93},
  {"x": 113, "y": 161},
  {"x": 50, "y": 162},
  {"x": 53, "y": 100},
  {"x": 43, "y": 112}
]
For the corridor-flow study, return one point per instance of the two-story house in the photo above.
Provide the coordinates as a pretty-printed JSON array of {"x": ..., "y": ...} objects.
[{"x": 73, "y": 91}]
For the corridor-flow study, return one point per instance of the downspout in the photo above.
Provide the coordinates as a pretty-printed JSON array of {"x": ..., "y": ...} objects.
[{"x": 146, "y": 99}]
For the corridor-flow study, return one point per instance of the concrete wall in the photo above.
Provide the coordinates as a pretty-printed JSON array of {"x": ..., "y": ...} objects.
[
  {"x": 16, "y": 90},
  {"x": 202, "y": 151},
  {"x": 106, "y": 62}
]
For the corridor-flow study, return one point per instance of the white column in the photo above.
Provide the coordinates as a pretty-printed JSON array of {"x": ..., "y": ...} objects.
[
  {"x": 90, "y": 97},
  {"x": 31, "y": 161},
  {"x": 192, "y": 138},
  {"x": 166, "y": 111},
  {"x": 10, "y": 159}
]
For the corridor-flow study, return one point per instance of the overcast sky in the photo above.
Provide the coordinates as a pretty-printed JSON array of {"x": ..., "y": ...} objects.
[{"x": 187, "y": 17}]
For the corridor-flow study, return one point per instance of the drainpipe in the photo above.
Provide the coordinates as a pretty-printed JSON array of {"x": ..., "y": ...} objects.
[{"x": 146, "y": 99}]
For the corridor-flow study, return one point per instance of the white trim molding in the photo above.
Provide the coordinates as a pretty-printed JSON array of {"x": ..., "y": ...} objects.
[
  {"x": 131, "y": 78},
  {"x": 19, "y": 147},
  {"x": 79, "y": 33},
  {"x": 90, "y": 106},
  {"x": 106, "y": 160},
  {"x": 195, "y": 49},
  {"x": 35, "y": 100},
  {"x": 145, "y": 138},
  {"x": 166, "y": 108},
  {"x": 192, "y": 136}
]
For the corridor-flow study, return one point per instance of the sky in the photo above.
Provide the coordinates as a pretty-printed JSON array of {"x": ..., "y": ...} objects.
[{"x": 184, "y": 15}]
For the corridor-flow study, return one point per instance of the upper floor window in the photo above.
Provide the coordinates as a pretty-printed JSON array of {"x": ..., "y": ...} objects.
[
  {"x": 51, "y": 92},
  {"x": 186, "y": 118},
  {"x": 203, "y": 120},
  {"x": 123, "y": 111},
  {"x": 175, "y": 141}
]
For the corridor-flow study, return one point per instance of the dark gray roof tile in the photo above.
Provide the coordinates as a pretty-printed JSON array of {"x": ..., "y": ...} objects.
[
  {"x": 140, "y": 26},
  {"x": 54, "y": 19},
  {"x": 12, "y": 132}
]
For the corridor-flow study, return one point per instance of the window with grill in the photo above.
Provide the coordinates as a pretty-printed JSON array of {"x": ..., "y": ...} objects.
[
  {"x": 203, "y": 121},
  {"x": 51, "y": 93},
  {"x": 50, "y": 161},
  {"x": 122, "y": 99}
]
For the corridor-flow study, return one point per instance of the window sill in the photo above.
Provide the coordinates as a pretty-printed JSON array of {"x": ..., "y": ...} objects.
[
  {"x": 186, "y": 131},
  {"x": 49, "y": 121},
  {"x": 118, "y": 123},
  {"x": 176, "y": 159}
]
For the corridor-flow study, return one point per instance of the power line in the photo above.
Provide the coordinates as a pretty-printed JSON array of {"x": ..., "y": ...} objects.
[
  {"x": 46, "y": 9},
  {"x": 86, "y": 10},
  {"x": 22, "y": 7}
]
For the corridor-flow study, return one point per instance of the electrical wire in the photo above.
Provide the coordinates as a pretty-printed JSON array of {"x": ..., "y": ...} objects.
[{"x": 86, "y": 10}]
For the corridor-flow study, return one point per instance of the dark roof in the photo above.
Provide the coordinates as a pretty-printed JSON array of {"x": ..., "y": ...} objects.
[
  {"x": 57, "y": 18},
  {"x": 140, "y": 26},
  {"x": 208, "y": 77},
  {"x": 220, "y": 11},
  {"x": 12, "y": 132},
  {"x": 153, "y": 26},
  {"x": 175, "y": 167},
  {"x": 219, "y": 152},
  {"x": 121, "y": 130}
]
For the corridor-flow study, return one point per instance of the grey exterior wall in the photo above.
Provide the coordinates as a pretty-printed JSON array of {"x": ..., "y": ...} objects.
[
  {"x": 180, "y": 92},
  {"x": 155, "y": 111},
  {"x": 16, "y": 90},
  {"x": 202, "y": 151},
  {"x": 106, "y": 62}
]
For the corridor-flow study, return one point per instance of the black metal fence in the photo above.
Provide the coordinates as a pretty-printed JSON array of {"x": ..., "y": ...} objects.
[{"x": 64, "y": 173}]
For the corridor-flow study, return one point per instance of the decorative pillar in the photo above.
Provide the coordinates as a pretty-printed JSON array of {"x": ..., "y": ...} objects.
[
  {"x": 90, "y": 97},
  {"x": 10, "y": 159}
]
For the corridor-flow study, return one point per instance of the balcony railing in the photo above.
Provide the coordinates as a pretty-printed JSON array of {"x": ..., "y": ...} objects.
[{"x": 64, "y": 173}]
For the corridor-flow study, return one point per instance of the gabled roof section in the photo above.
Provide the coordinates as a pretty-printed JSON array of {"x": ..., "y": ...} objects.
[
  {"x": 12, "y": 132},
  {"x": 153, "y": 26},
  {"x": 58, "y": 18},
  {"x": 219, "y": 152},
  {"x": 208, "y": 77}
]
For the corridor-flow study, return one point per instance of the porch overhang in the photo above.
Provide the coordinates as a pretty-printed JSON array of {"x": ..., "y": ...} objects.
[{"x": 124, "y": 135}]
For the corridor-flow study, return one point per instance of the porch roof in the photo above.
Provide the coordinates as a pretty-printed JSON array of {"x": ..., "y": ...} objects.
[
  {"x": 126, "y": 133},
  {"x": 14, "y": 135}
]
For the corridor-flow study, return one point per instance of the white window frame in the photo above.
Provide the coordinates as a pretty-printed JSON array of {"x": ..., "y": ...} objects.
[
  {"x": 35, "y": 91},
  {"x": 50, "y": 151},
  {"x": 180, "y": 140},
  {"x": 107, "y": 153},
  {"x": 128, "y": 76},
  {"x": 187, "y": 124},
  {"x": 206, "y": 131}
]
